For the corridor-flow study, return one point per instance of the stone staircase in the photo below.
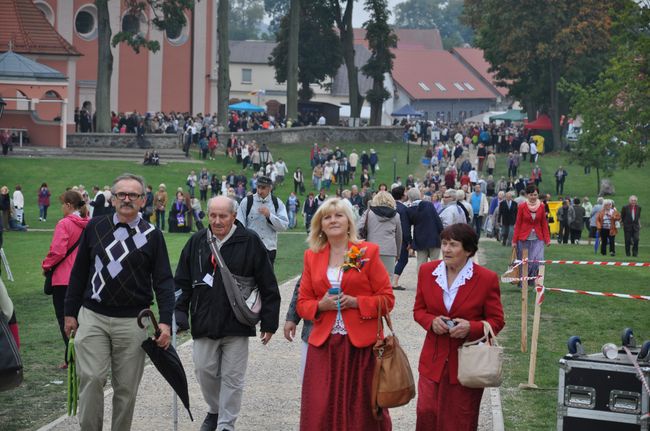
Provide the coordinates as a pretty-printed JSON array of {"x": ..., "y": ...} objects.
[{"x": 100, "y": 153}]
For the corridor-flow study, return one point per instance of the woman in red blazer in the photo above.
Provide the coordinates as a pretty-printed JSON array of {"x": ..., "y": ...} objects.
[
  {"x": 454, "y": 296},
  {"x": 340, "y": 363},
  {"x": 531, "y": 230}
]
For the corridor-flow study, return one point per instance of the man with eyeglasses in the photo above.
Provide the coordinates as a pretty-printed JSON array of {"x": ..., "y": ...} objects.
[
  {"x": 122, "y": 261},
  {"x": 450, "y": 213}
]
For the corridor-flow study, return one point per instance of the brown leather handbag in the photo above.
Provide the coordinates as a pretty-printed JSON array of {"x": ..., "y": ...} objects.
[{"x": 392, "y": 384}]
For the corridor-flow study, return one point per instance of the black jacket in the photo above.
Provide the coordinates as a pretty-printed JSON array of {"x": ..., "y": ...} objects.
[
  {"x": 426, "y": 225},
  {"x": 508, "y": 217},
  {"x": 210, "y": 312}
]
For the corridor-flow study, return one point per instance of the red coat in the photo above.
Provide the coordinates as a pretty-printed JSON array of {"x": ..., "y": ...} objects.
[
  {"x": 478, "y": 299},
  {"x": 525, "y": 224},
  {"x": 369, "y": 286}
]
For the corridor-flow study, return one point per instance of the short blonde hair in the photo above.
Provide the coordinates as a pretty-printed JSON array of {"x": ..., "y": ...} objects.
[
  {"x": 317, "y": 238},
  {"x": 383, "y": 199}
]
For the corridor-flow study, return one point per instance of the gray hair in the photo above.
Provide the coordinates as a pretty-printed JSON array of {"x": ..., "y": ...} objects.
[
  {"x": 234, "y": 206},
  {"x": 460, "y": 195},
  {"x": 608, "y": 202},
  {"x": 413, "y": 194},
  {"x": 599, "y": 201},
  {"x": 129, "y": 177}
]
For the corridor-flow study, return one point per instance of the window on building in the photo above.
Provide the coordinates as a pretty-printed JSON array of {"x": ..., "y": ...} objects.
[
  {"x": 440, "y": 86},
  {"x": 85, "y": 22},
  {"x": 247, "y": 76},
  {"x": 46, "y": 9},
  {"x": 131, "y": 23},
  {"x": 459, "y": 87},
  {"x": 177, "y": 35},
  {"x": 469, "y": 86},
  {"x": 424, "y": 86}
]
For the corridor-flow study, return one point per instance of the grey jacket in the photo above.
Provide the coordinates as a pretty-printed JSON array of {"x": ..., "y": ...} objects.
[
  {"x": 384, "y": 228},
  {"x": 292, "y": 314}
]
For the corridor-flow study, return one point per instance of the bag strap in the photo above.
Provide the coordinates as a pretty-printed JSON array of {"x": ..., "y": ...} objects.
[
  {"x": 385, "y": 317},
  {"x": 68, "y": 253},
  {"x": 227, "y": 277}
]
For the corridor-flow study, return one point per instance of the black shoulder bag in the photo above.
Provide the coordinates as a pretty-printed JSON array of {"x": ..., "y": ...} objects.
[{"x": 48, "y": 289}]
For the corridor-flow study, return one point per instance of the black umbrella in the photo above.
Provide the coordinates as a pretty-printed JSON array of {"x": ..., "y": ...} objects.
[{"x": 166, "y": 361}]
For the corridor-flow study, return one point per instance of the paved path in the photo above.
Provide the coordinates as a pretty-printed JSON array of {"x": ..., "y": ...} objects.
[{"x": 272, "y": 396}]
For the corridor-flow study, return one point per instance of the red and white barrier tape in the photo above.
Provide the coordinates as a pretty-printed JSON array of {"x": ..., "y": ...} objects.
[
  {"x": 611, "y": 295},
  {"x": 584, "y": 262},
  {"x": 511, "y": 279}
]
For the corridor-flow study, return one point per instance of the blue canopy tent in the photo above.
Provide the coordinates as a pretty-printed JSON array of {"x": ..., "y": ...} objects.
[
  {"x": 246, "y": 107},
  {"x": 406, "y": 111}
]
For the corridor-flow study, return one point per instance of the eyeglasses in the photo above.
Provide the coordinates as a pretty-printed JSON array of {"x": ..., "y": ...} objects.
[{"x": 132, "y": 196}]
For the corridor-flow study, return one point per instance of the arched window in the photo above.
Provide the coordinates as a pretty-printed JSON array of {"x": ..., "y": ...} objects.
[
  {"x": 85, "y": 22},
  {"x": 46, "y": 9}
]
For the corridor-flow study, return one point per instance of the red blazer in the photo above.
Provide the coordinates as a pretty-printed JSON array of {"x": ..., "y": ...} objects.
[
  {"x": 478, "y": 299},
  {"x": 525, "y": 224},
  {"x": 369, "y": 286}
]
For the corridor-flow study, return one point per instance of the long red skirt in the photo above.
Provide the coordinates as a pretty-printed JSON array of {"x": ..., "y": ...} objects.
[
  {"x": 446, "y": 407},
  {"x": 336, "y": 388}
]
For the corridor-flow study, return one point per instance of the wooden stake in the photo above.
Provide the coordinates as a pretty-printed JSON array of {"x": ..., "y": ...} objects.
[
  {"x": 524, "y": 301},
  {"x": 532, "y": 365}
]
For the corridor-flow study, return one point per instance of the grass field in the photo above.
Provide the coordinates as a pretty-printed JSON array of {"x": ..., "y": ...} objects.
[{"x": 596, "y": 320}]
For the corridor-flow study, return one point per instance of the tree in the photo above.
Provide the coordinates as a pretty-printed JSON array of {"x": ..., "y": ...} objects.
[
  {"x": 381, "y": 38},
  {"x": 343, "y": 19},
  {"x": 169, "y": 14},
  {"x": 545, "y": 41},
  {"x": 616, "y": 121},
  {"x": 441, "y": 14},
  {"x": 246, "y": 19},
  {"x": 319, "y": 53},
  {"x": 223, "y": 72}
]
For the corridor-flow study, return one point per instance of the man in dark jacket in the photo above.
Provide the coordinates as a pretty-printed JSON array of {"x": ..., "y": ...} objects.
[
  {"x": 630, "y": 216},
  {"x": 426, "y": 228},
  {"x": 507, "y": 218},
  {"x": 220, "y": 340},
  {"x": 399, "y": 196}
]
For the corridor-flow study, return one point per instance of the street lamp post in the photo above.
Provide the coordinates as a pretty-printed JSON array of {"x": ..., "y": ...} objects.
[
  {"x": 2, "y": 106},
  {"x": 408, "y": 151},
  {"x": 264, "y": 155},
  {"x": 394, "y": 168}
]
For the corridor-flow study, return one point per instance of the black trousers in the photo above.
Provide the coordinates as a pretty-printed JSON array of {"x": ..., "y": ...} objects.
[
  {"x": 58, "y": 299},
  {"x": 604, "y": 239},
  {"x": 563, "y": 234},
  {"x": 631, "y": 239}
]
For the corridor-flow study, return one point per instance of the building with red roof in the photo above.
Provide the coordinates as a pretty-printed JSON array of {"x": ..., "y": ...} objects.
[
  {"x": 474, "y": 60},
  {"x": 438, "y": 84}
]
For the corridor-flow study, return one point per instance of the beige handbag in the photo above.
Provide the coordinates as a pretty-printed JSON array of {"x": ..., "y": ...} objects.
[{"x": 480, "y": 362}]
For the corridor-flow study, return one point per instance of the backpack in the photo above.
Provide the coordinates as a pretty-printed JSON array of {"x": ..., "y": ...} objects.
[{"x": 249, "y": 204}]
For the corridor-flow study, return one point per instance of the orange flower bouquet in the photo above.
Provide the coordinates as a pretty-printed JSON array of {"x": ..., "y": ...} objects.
[{"x": 354, "y": 259}]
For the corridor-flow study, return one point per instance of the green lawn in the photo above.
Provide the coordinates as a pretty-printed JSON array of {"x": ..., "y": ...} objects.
[{"x": 596, "y": 320}]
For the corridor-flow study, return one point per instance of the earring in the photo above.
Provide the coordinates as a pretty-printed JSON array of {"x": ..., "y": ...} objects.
[{"x": 320, "y": 235}]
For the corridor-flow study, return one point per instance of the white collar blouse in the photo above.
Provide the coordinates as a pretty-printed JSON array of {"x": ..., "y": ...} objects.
[{"x": 449, "y": 292}]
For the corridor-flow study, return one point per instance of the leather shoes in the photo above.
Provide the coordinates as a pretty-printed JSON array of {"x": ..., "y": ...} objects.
[
  {"x": 210, "y": 422},
  {"x": 398, "y": 288}
]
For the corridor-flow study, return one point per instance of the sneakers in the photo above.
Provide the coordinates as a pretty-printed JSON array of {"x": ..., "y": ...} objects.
[{"x": 210, "y": 422}]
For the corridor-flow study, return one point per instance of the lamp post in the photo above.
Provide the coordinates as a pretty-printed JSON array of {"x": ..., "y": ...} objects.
[
  {"x": 264, "y": 155},
  {"x": 2, "y": 106},
  {"x": 408, "y": 151},
  {"x": 394, "y": 167}
]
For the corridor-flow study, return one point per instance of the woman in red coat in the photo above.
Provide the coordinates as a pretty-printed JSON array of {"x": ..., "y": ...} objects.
[
  {"x": 340, "y": 363},
  {"x": 454, "y": 296},
  {"x": 531, "y": 230}
]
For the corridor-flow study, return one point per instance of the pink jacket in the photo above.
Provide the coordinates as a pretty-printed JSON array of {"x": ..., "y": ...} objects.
[{"x": 66, "y": 233}]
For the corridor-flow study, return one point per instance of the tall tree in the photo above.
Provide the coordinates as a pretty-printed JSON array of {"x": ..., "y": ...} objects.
[
  {"x": 223, "y": 72},
  {"x": 441, "y": 14},
  {"x": 246, "y": 19},
  {"x": 342, "y": 17},
  {"x": 381, "y": 38},
  {"x": 319, "y": 53},
  {"x": 169, "y": 14},
  {"x": 292, "y": 64},
  {"x": 545, "y": 41},
  {"x": 616, "y": 121}
]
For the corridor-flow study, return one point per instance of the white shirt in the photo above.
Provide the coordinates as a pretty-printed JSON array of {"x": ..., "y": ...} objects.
[
  {"x": 449, "y": 292},
  {"x": 19, "y": 199},
  {"x": 334, "y": 277}
]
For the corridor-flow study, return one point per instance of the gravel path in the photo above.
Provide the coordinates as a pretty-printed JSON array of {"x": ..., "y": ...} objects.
[{"x": 272, "y": 395}]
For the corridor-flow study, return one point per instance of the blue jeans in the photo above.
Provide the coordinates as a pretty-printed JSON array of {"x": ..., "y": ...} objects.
[
  {"x": 160, "y": 219},
  {"x": 292, "y": 219},
  {"x": 477, "y": 222},
  {"x": 42, "y": 210}
]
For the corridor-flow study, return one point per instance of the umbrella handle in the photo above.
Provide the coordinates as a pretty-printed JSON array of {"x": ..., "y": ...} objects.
[{"x": 148, "y": 313}]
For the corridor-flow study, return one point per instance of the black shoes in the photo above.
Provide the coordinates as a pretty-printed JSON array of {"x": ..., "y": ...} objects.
[
  {"x": 210, "y": 422},
  {"x": 398, "y": 288}
]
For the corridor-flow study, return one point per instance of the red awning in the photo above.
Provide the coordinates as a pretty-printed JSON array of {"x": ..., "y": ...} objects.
[{"x": 543, "y": 122}]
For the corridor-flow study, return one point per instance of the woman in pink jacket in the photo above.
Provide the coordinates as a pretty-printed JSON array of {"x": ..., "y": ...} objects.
[{"x": 66, "y": 237}]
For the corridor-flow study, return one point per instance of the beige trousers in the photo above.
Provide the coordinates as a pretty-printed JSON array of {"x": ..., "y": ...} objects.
[{"x": 104, "y": 343}]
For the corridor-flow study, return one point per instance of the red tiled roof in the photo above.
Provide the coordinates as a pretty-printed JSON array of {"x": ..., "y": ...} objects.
[
  {"x": 418, "y": 70},
  {"x": 22, "y": 23},
  {"x": 473, "y": 57},
  {"x": 407, "y": 38}
]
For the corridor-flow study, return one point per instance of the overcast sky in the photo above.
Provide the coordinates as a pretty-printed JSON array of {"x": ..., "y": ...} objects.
[{"x": 360, "y": 15}]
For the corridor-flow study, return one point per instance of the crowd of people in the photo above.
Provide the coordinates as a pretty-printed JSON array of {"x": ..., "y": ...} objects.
[{"x": 108, "y": 259}]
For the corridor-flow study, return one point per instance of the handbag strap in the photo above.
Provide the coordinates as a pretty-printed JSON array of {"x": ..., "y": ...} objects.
[
  {"x": 68, "y": 253},
  {"x": 385, "y": 317}
]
